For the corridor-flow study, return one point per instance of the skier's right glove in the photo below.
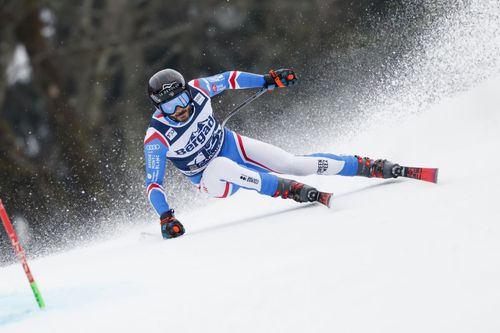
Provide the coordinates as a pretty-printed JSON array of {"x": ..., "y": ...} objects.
[
  {"x": 281, "y": 78},
  {"x": 170, "y": 226}
]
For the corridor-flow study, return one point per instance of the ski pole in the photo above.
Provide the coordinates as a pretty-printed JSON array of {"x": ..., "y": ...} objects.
[
  {"x": 243, "y": 104},
  {"x": 20, "y": 254}
]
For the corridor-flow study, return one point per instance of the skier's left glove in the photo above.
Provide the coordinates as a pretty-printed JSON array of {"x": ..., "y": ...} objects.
[
  {"x": 281, "y": 78},
  {"x": 170, "y": 226}
]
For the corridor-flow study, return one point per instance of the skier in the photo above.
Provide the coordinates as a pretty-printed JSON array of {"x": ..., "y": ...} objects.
[{"x": 220, "y": 161}]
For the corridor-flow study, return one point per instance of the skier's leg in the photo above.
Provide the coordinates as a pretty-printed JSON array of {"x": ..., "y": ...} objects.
[
  {"x": 264, "y": 157},
  {"x": 223, "y": 177}
]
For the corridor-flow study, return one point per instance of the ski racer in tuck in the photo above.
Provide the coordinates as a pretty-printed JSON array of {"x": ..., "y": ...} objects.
[{"x": 220, "y": 161}]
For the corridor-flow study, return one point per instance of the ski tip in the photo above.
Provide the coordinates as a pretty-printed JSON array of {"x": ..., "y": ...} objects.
[
  {"x": 325, "y": 199},
  {"x": 424, "y": 174},
  {"x": 430, "y": 175},
  {"x": 436, "y": 176}
]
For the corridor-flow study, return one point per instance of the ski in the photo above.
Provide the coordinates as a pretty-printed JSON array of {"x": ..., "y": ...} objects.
[
  {"x": 425, "y": 174},
  {"x": 324, "y": 198}
]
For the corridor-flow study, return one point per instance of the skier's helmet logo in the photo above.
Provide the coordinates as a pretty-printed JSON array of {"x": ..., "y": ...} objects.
[{"x": 165, "y": 85}]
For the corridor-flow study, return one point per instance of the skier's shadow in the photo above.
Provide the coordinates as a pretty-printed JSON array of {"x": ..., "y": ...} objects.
[{"x": 288, "y": 210}]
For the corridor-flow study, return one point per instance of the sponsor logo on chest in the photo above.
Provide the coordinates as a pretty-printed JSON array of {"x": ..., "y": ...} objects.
[
  {"x": 198, "y": 137},
  {"x": 171, "y": 133},
  {"x": 199, "y": 99}
]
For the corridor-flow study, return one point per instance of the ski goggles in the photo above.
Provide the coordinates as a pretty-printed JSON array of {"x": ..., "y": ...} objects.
[{"x": 181, "y": 100}]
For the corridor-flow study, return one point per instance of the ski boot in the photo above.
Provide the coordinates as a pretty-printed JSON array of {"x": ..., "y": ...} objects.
[
  {"x": 290, "y": 189},
  {"x": 378, "y": 168}
]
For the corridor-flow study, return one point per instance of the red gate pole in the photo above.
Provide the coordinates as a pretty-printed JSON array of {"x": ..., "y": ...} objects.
[{"x": 20, "y": 254}]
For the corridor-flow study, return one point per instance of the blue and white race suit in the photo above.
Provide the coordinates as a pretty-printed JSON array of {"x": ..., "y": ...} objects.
[{"x": 220, "y": 161}]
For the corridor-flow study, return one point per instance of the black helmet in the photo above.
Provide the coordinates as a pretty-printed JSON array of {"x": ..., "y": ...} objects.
[{"x": 165, "y": 85}]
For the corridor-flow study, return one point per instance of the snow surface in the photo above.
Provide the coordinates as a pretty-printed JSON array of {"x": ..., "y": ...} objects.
[{"x": 390, "y": 256}]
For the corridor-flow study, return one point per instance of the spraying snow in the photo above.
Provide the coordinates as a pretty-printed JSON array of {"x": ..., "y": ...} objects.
[{"x": 390, "y": 256}]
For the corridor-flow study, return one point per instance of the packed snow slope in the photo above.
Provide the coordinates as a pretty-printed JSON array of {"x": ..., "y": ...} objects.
[{"x": 390, "y": 256}]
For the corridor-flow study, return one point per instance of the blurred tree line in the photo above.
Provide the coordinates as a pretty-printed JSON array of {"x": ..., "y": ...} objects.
[{"x": 73, "y": 75}]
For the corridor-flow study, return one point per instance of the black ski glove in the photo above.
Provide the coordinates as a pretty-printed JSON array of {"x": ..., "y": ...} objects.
[
  {"x": 281, "y": 78},
  {"x": 170, "y": 226}
]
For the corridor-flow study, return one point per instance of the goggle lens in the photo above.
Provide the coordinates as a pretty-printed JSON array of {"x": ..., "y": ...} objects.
[{"x": 181, "y": 100}]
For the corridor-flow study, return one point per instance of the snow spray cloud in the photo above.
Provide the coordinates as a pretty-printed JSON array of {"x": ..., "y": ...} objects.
[
  {"x": 396, "y": 64},
  {"x": 451, "y": 53}
]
